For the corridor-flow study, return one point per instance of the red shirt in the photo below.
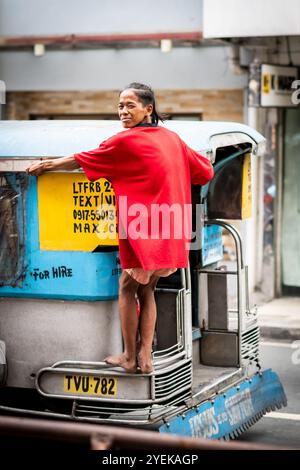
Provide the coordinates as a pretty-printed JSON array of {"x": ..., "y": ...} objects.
[{"x": 148, "y": 167}]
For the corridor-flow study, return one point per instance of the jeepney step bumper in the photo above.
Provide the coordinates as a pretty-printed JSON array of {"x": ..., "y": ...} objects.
[
  {"x": 232, "y": 412},
  {"x": 103, "y": 383}
]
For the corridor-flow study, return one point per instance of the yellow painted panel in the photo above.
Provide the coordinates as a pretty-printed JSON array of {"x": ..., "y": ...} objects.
[
  {"x": 74, "y": 213},
  {"x": 247, "y": 188},
  {"x": 266, "y": 83},
  {"x": 89, "y": 385}
]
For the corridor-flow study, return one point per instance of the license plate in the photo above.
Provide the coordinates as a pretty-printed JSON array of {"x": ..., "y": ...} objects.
[{"x": 90, "y": 385}]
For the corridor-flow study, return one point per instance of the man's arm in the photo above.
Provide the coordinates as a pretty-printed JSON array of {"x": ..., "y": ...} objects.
[
  {"x": 63, "y": 163},
  {"x": 201, "y": 168}
]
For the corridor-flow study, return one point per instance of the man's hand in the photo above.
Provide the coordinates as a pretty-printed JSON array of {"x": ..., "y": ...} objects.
[
  {"x": 37, "y": 168},
  {"x": 62, "y": 163}
]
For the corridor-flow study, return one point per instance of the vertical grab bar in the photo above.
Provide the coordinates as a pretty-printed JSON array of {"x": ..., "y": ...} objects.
[{"x": 240, "y": 266}]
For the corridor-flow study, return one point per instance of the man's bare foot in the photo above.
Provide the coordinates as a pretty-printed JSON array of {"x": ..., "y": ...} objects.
[
  {"x": 145, "y": 362},
  {"x": 122, "y": 361}
]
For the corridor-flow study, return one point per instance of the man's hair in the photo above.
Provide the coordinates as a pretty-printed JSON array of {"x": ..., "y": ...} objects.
[{"x": 146, "y": 96}]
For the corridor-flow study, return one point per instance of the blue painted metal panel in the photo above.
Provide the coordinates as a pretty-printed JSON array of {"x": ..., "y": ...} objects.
[
  {"x": 234, "y": 411},
  {"x": 61, "y": 274},
  {"x": 212, "y": 245}
]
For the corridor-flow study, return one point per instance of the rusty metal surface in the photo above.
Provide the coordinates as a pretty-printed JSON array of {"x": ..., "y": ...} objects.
[
  {"x": 100, "y": 437},
  {"x": 87, "y": 41}
]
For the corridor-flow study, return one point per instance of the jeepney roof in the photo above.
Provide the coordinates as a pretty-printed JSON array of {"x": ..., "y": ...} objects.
[{"x": 61, "y": 138}]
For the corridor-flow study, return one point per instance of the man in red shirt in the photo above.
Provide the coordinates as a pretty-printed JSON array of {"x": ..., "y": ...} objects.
[{"x": 151, "y": 170}]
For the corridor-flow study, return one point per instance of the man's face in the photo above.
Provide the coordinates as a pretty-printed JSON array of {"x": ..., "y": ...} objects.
[{"x": 132, "y": 111}]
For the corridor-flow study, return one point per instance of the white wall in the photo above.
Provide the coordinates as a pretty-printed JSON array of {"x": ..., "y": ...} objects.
[
  {"x": 197, "y": 67},
  {"x": 242, "y": 18},
  {"x": 43, "y": 17},
  {"x": 203, "y": 68}
]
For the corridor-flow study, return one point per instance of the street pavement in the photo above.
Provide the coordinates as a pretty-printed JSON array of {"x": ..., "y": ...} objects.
[
  {"x": 279, "y": 321},
  {"x": 280, "y": 318},
  {"x": 282, "y": 427}
]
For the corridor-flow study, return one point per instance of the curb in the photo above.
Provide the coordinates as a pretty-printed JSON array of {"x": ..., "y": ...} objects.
[{"x": 276, "y": 332}]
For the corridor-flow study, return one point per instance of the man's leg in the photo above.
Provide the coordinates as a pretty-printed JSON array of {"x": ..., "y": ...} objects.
[
  {"x": 147, "y": 324},
  {"x": 129, "y": 322}
]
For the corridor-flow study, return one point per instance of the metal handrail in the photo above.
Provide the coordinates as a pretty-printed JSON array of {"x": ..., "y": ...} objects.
[{"x": 239, "y": 267}]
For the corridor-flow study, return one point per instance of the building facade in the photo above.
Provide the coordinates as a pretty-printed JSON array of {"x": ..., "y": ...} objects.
[{"x": 268, "y": 32}]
